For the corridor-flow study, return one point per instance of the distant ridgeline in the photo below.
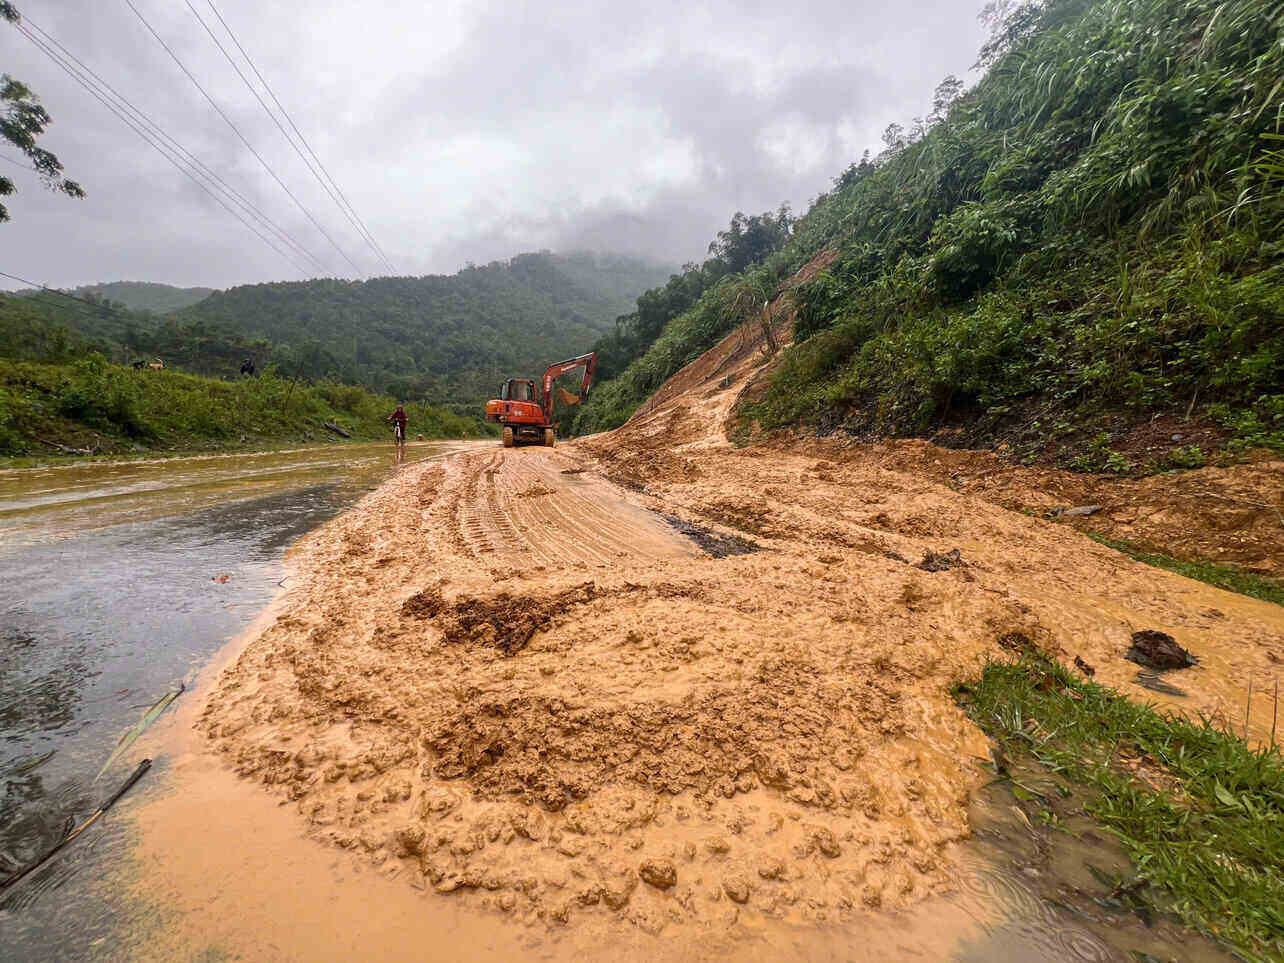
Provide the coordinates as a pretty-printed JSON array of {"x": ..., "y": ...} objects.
[
  {"x": 1097, "y": 226},
  {"x": 144, "y": 295},
  {"x": 448, "y": 339}
]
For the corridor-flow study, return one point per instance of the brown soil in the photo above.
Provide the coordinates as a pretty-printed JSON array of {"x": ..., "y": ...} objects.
[
  {"x": 562, "y": 708},
  {"x": 1232, "y": 515}
]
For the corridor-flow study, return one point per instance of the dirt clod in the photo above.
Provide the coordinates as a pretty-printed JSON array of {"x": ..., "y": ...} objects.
[
  {"x": 941, "y": 561},
  {"x": 659, "y": 873},
  {"x": 1158, "y": 650},
  {"x": 736, "y": 887}
]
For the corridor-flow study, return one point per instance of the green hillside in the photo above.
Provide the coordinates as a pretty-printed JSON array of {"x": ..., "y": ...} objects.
[
  {"x": 1091, "y": 233},
  {"x": 145, "y": 296},
  {"x": 443, "y": 337},
  {"x": 94, "y": 407},
  {"x": 449, "y": 340}
]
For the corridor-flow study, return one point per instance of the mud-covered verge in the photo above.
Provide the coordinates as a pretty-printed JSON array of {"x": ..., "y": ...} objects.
[
  {"x": 1227, "y": 515},
  {"x": 1192, "y": 808},
  {"x": 515, "y": 683}
]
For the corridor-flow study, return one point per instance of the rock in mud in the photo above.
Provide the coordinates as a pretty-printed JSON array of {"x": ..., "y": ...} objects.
[
  {"x": 737, "y": 888},
  {"x": 1082, "y": 511},
  {"x": 826, "y": 843},
  {"x": 941, "y": 561},
  {"x": 659, "y": 873},
  {"x": 772, "y": 868},
  {"x": 616, "y": 894},
  {"x": 1158, "y": 650}
]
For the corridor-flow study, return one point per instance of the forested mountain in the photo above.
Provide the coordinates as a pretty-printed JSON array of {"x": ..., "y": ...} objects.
[
  {"x": 438, "y": 336},
  {"x": 145, "y": 295},
  {"x": 448, "y": 339},
  {"x": 1095, "y": 227}
]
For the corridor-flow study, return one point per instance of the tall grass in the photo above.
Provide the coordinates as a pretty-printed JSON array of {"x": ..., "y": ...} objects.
[{"x": 1096, "y": 224}]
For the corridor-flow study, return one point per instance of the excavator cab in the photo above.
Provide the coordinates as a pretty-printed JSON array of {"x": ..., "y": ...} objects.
[{"x": 515, "y": 389}]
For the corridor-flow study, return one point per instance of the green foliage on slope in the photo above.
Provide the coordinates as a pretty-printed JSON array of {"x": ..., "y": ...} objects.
[
  {"x": 1095, "y": 226},
  {"x": 672, "y": 325},
  {"x": 440, "y": 337},
  {"x": 96, "y": 406}
]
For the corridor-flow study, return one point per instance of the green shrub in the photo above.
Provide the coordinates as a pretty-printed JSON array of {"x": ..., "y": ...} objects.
[{"x": 103, "y": 396}]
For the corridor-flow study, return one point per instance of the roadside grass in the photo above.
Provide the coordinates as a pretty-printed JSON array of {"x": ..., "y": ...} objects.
[
  {"x": 1222, "y": 576},
  {"x": 111, "y": 409},
  {"x": 1205, "y": 831}
]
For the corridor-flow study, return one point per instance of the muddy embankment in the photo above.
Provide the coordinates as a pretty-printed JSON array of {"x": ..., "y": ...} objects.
[{"x": 514, "y": 679}]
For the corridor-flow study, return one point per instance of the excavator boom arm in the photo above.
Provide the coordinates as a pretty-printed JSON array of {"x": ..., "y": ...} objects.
[{"x": 555, "y": 371}]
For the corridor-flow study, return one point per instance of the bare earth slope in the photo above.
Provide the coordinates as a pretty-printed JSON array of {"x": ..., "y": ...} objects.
[{"x": 512, "y": 680}]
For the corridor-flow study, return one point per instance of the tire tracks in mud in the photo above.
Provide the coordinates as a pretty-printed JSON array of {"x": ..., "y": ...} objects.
[{"x": 517, "y": 504}]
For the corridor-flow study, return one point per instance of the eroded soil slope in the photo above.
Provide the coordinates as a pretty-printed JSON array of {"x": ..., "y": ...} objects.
[{"x": 514, "y": 680}]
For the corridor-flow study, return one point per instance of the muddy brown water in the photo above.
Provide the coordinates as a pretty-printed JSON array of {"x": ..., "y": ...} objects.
[
  {"x": 108, "y": 599},
  {"x": 111, "y": 594}
]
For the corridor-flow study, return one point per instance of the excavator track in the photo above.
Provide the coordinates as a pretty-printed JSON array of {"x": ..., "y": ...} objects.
[{"x": 518, "y": 508}]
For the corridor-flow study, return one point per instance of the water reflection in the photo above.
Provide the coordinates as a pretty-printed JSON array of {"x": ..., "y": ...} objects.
[{"x": 111, "y": 594}]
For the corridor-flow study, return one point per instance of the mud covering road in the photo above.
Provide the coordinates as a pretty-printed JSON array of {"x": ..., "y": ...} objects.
[{"x": 511, "y": 680}]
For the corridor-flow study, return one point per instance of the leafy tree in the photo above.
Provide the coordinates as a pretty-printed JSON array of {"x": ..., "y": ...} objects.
[
  {"x": 22, "y": 120},
  {"x": 750, "y": 239}
]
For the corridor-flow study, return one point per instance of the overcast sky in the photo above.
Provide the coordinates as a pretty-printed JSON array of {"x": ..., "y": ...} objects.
[{"x": 460, "y": 131}]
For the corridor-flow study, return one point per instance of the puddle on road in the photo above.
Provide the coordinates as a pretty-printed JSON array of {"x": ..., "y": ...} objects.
[{"x": 109, "y": 599}]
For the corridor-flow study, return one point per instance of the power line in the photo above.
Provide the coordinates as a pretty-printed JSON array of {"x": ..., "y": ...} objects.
[
  {"x": 98, "y": 306},
  {"x": 327, "y": 182},
  {"x": 140, "y": 125},
  {"x": 237, "y": 131},
  {"x": 247, "y": 83},
  {"x": 187, "y": 156}
]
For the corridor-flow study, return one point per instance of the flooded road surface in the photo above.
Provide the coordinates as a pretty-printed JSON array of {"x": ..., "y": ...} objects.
[{"x": 117, "y": 583}]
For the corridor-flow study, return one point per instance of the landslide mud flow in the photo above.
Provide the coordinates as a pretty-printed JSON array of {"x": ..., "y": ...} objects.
[{"x": 511, "y": 679}]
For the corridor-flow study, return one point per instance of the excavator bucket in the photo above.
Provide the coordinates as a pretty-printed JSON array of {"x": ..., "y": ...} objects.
[{"x": 566, "y": 398}]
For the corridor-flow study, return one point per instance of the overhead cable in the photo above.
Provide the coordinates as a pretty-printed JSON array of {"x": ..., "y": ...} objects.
[
  {"x": 140, "y": 124},
  {"x": 313, "y": 164},
  {"x": 242, "y": 138}
]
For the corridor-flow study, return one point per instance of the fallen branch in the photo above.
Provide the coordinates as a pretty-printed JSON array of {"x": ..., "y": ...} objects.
[
  {"x": 336, "y": 429},
  {"x": 125, "y": 787},
  {"x": 65, "y": 449}
]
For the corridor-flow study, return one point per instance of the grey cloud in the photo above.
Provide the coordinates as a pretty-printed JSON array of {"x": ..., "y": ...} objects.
[{"x": 468, "y": 131}]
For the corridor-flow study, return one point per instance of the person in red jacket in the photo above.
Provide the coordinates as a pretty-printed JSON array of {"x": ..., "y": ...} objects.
[{"x": 399, "y": 419}]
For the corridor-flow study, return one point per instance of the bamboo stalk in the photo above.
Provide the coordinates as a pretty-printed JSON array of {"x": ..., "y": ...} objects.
[
  {"x": 1275, "y": 710},
  {"x": 1248, "y": 707}
]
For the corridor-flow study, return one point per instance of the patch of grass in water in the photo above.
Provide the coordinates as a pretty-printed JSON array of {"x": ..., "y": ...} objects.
[
  {"x": 1199, "y": 812},
  {"x": 1222, "y": 576}
]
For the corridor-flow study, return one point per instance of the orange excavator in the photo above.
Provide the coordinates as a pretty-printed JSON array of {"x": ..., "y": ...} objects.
[{"x": 526, "y": 417}]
